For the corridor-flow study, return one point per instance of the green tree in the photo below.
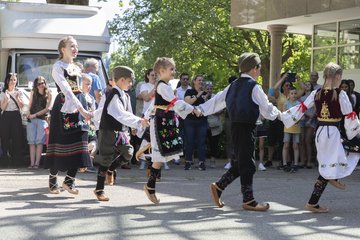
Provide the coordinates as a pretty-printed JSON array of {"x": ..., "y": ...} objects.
[{"x": 198, "y": 35}]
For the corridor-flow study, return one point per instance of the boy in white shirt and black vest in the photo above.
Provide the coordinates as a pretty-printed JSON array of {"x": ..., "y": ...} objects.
[
  {"x": 244, "y": 100},
  {"x": 114, "y": 136}
]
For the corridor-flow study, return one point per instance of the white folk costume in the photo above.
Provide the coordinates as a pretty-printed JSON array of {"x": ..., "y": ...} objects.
[
  {"x": 166, "y": 143},
  {"x": 334, "y": 161}
]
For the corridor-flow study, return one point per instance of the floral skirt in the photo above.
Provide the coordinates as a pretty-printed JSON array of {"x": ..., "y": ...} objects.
[{"x": 166, "y": 142}]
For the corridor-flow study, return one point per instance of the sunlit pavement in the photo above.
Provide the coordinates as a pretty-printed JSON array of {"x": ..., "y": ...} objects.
[{"x": 186, "y": 210}]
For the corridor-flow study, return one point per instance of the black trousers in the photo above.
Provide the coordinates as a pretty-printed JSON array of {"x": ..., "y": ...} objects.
[
  {"x": 12, "y": 138},
  {"x": 243, "y": 137}
]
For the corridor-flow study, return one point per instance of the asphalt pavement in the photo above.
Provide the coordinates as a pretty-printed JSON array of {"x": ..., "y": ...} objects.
[{"x": 186, "y": 211}]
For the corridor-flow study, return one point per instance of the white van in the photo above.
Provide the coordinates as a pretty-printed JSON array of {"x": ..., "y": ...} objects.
[{"x": 30, "y": 33}]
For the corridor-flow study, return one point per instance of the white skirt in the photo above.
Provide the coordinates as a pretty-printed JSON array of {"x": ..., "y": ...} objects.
[
  {"x": 334, "y": 161},
  {"x": 155, "y": 154}
]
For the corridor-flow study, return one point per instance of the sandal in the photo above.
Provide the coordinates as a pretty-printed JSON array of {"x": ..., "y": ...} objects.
[
  {"x": 316, "y": 208},
  {"x": 69, "y": 185},
  {"x": 216, "y": 193},
  {"x": 336, "y": 183},
  {"x": 151, "y": 196},
  {"x": 259, "y": 207},
  {"x": 53, "y": 186},
  {"x": 100, "y": 195}
]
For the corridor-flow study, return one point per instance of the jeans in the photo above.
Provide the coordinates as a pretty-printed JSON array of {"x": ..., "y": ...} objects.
[{"x": 195, "y": 132}]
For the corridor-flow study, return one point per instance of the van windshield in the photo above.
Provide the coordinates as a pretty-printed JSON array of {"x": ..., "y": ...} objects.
[{"x": 29, "y": 66}]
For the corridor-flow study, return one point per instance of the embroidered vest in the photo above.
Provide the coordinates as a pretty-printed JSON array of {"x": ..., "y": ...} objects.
[{"x": 328, "y": 110}]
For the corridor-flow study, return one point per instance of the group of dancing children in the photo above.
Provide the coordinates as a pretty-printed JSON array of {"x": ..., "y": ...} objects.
[{"x": 244, "y": 99}]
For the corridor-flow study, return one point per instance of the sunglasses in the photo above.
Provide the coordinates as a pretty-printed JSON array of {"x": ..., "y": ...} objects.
[
  {"x": 41, "y": 83},
  {"x": 185, "y": 79}
]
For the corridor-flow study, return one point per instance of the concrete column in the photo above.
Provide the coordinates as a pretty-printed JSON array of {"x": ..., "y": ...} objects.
[{"x": 276, "y": 32}]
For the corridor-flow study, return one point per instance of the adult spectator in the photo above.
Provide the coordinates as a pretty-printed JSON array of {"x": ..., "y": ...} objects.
[
  {"x": 196, "y": 127},
  {"x": 147, "y": 90},
  {"x": 39, "y": 104},
  {"x": 355, "y": 96},
  {"x": 308, "y": 125},
  {"x": 214, "y": 131},
  {"x": 91, "y": 67},
  {"x": 11, "y": 124},
  {"x": 279, "y": 93},
  {"x": 314, "y": 77},
  {"x": 183, "y": 86}
]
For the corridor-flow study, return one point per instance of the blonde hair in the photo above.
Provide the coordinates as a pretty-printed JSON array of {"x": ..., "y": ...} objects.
[
  {"x": 163, "y": 62},
  {"x": 62, "y": 44},
  {"x": 87, "y": 77},
  {"x": 330, "y": 71}
]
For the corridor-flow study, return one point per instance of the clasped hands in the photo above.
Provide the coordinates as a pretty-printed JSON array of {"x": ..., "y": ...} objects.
[{"x": 197, "y": 112}]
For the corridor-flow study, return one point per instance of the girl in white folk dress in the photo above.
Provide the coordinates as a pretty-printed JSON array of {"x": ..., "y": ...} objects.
[{"x": 332, "y": 104}]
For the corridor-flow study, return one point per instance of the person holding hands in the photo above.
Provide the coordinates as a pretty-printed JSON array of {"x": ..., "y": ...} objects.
[{"x": 244, "y": 100}]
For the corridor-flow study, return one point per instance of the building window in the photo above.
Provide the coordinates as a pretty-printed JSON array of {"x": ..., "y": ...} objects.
[
  {"x": 349, "y": 57},
  {"x": 337, "y": 42},
  {"x": 322, "y": 57},
  {"x": 325, "y": 35},
  {"x": 349, "y": 32}
]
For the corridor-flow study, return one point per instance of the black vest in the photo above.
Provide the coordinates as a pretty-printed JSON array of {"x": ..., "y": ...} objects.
[
  {"x": 158, "y": 98},
  {"x": 107, "y": 122},
  {"x": 239, "y": 103}
]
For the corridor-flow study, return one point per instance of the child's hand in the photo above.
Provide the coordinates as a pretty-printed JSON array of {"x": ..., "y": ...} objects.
[
  {"x": 197, "y": 112},
  {"x": 144, "y": 123},
  {"x": 358, "y": 136}
]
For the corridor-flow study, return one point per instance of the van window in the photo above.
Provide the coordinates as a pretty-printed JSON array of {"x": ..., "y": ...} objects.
[{"x": 29, "y": 66}]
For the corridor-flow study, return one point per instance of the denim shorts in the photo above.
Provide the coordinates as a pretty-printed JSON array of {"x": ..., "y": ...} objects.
[
  {"x": 294, "y": 136},
  {"x": 35, "y": 131}
]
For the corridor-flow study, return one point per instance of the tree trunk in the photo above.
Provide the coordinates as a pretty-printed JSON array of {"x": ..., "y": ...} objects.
[{"x": 70, "y": 2}]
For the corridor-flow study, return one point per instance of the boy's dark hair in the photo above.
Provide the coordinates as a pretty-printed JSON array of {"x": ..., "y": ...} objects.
[{"x": 122, "y": 71}]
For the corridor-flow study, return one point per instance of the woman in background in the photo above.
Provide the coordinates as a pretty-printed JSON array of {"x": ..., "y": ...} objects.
[
  {"x": 39, "y": 104},
  {"x": 11, "y": 123}
]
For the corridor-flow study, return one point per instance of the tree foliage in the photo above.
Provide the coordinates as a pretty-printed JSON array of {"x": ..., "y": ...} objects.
[{"x": 198, "y": 35}]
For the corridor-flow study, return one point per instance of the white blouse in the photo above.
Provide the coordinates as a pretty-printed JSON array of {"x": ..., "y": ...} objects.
[
  {"x": 11, "y": 105},
  {"x": 72, "y": 103}
]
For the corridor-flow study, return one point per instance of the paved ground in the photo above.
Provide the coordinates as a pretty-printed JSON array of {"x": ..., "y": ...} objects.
[{"x": 186, "y": 211}]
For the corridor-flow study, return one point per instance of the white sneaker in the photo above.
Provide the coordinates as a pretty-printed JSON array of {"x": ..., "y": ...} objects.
[
  {"x": 227, "y": 166},
  {"x": 261, "y": 167},
  {"x": 142, "y": 164},
  {"x": 166, "y": 166}
]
